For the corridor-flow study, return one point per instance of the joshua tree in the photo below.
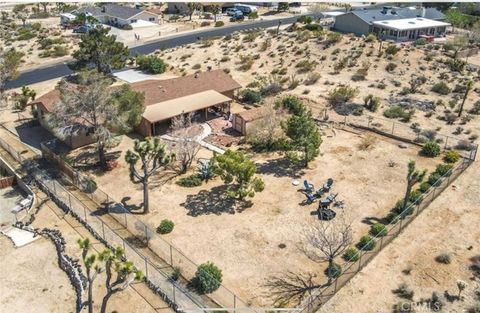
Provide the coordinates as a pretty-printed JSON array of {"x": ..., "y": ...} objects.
[
  {"x": 152, "y": 155},
  {"x": 414, "y": 176},
  {"x": 215, "y": 9},
  {"x": 326, "y": 241},
  {"x": 192, "y": 7},
  {"x": 468, "y": 87},
  {"x": 9, "y": 62},
  {"x": 89, "y": 262},
  {"x": 126, "y": 273}
]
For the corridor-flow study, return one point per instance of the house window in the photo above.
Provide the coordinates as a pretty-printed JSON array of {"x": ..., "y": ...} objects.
[
  {"x": 151, "y": 19},
  {"x": 133, "y": 21}
]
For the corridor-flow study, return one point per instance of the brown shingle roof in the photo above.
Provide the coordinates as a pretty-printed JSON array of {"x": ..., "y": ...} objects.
[{"x": 157, "y": 91}]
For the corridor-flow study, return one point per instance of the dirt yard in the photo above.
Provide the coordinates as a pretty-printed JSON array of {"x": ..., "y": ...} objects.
[
  {"x": 245, "y": 241},
  {"x": 448, "y": 225}
]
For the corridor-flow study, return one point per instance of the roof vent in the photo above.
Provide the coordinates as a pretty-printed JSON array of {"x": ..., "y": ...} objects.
[{"x": 104, "y": 9}]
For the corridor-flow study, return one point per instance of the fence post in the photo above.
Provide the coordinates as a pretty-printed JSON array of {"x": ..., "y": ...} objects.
[
  {"x": 124, "y": 250},
  {"x": 103, "y": 230},
  {"x": 393, "y": 127},
  {"x": 234, "y": 301},
  {"x": 85, "y": 213},
  {"x": 400, "y": 228},
  {"x": 146, "y": 234},
  {"x": 69, "y": 202},
  {"x": 146, "y": 267},
  {"x": 125, "y": 216},
  {"x": 54, "y": 188},
  {"x": 174, "y": 300},
  {"x": 446, "y": 141},
  {"x": 360, "y": 261},
  {"x": 171, "y": 256}
]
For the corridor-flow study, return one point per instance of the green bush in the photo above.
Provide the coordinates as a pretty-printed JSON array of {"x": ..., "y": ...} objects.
[
  {"x": 443, "y": 169},
  {"x": 396, "y": 111},
  {"x": 366, "y": 243},
  {"x": 441, "y": 88},
  {"x": 451, "y": 156},
  {"x": 401, "y": 210},
  {"x": 431, "y": 149},
  {"x": 435, "y": 179},
  {"x": 151, "y": 64},
  {"x": 392, "y": 49},
  {"x": 372, "y": 103},
  {"x": 251, "y": 96},
  {"x": 378, "y": 229},
  {"x": 208, "y": 278},
  {"x": 177, "y": 272},
  {"x": 333, "y": 271},
  {"x": 190, "y": 181},
  {"x": 390, "y": 67},
  {"x": 165, "y": 227},
  {"x": 351, "y": 255},
  {"x": 313, "y": 27},
  {"x": 219, "y": 23},
  {"x": 89, "y": 186},
  {"x": 421, "y": 42},
  {"x": 293, "y": 104},
  {"x": 341, "y": 95},
  {"x": 392, "y": 218},
  {"x": 415, "y": 196},
  {"x": 424, "y": 187}
]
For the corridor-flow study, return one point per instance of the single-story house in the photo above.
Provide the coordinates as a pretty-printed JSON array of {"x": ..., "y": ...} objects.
[
  {"x": 245, "y": 120},
  {"x": 366, "y": 21},
  {"x": 117, "y": 15},
  {"x": 164, "y": 99}
]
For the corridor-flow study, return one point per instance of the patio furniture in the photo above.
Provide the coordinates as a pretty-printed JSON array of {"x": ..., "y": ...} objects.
[
  {"x": 326, "y": 214},
  {"x": 310, "y": 198},
  {"x": 327, "y": 201},
  {"x": 308, "y": 187},
  {"x": 325, "y": 188}
]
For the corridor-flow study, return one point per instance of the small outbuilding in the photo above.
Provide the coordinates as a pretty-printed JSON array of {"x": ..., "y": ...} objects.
[{"x": 246, "y": 120}]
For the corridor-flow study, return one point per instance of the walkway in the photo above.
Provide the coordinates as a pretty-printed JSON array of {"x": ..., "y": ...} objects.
[{"x": 206, "y": 131}]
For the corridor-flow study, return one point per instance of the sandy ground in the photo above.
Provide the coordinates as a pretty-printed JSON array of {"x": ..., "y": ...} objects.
[
  {"x": 448, "y": 225},
  {"x": 33, "y": 284},
  {"x": 32, "y": 280},
  {"x": 204, "y": 218},
  {"x": 9, "y": 198}
]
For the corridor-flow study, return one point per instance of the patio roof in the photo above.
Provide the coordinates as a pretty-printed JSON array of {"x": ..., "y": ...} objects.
[
  {"x": 410, "y": 23},
  {"x": 174, "y": 107}
]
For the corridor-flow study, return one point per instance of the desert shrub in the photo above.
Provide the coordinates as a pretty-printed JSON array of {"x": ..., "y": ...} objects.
[
  {"x": 176, "y": 273},
  {"x": 451, "y": 156},
  {"x": 441, "y": 88},
  {"x": 456, "y": 65},
  {"x": 370, "y": 38},
  {"x": 333, "y": 270},
  {"x": 434, "y": 179},
  {"x": 443, "y": 169},
  {"x": 196, "y": 66},
  {"x": 415, "y": 196},
  {"x": 431, "y": 149},
  {"x": 165, "y": 227},
  {"x": 475, "y": 109},
  {"x": 421, "y": 42},
  {"x": 390, "y": 67},
  {"x": 313, "y": 27},
  {"x": 305, "y": 66},
  {"x": 251, "y": 96},
  {"x": 371, "y": 103},
  {"x": 366, "y": 243},
  {"x": 151, "y": 64},
  {"x": 367, "y": 142},
  {"x": 341, "y": 95},
  {"x": 392, "y": 49},
  {"x": 190, "y": 181},
  {"x": 89, "y": 186},
  {"x": 392, "y": 218},
  {"x": 219, "y": 23},
  {"x": 246, "y": 62},
  {"x": 403, "y": 210},
  {"x": 208, "y": 278},
  {"x": 424, "y": 187},
  {"x": 204, "y": 24},
  {"x": 378, "y": 229},
  {"x": 444, "y": 258},
  {"x": 404, "y": 291},
  {"x": 464, "y": 145},
  {"x": 293, "y": 104},
  {"x": 312, "y": 78},
  {"x": 396, "y": 111},
  {"x": 333, "y": 37},
  {"x": 206, "y": 170},
  {"x": 351, "y": 254},
  {"x": 305, "y": 19}
]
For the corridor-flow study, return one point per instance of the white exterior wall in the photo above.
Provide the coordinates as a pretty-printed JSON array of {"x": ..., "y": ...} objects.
[{"x": 146, "y": 16}]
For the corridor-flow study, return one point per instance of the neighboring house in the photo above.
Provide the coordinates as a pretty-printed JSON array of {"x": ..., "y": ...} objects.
[
  {"x": 244, "y": 121},
  {"x": 177, "y": 8},
  {"x": 118, "y": 15},
  {"x": 399, "y": 24},
  {"x": 200, "y": 93}
]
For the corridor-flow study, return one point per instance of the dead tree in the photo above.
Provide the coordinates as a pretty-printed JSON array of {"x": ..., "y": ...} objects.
[
  {"x": 291, "y": 288},
  {"x": 186, "y": 147}
]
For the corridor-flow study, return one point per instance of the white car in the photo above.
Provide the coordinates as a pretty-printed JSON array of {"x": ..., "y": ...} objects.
[{"x": 233, "y": 11}]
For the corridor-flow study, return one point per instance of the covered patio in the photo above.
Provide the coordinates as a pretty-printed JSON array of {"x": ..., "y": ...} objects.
[
  {"x": 409, "y": 29},
  {"x": 200, "y": 103}
]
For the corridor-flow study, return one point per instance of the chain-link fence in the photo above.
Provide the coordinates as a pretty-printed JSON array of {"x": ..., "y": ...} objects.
[
  {"x": 416, "y": 135},
  {"x": 171, "y": 256}
]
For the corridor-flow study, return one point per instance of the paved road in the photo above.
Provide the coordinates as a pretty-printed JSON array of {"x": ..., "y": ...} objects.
[{"x": 59, "y": 70}]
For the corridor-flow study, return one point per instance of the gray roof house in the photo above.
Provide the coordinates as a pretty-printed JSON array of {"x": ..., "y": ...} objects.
[
  {"x": 400, "y": 24},
  {"x": 118, "y": 15}
]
